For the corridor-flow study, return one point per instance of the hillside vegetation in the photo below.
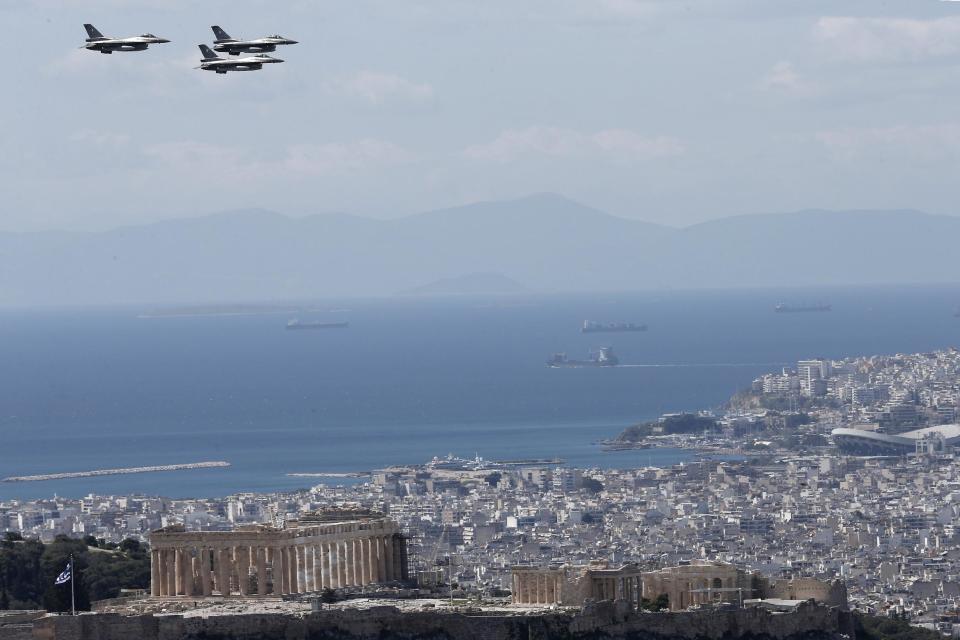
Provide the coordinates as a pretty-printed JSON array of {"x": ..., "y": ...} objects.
[{"x": 28, "y": 569}]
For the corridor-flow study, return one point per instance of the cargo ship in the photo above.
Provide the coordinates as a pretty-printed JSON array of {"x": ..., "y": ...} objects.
[
  {"x": 804, "y": 308},
  {"x": 297, "y": 324},
  {"x": 589, "y": 326},
  {"x": 602, "y": 357}
]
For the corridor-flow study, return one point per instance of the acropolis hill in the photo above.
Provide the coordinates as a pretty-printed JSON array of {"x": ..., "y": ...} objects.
[{"x": 598, "y": 621}]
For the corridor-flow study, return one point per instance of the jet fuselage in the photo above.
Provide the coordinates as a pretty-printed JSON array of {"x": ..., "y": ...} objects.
[
  {"x": 235, "y": 46},
  {"x": 247, "y": 63},
  {"x": 135, "y": 43}
]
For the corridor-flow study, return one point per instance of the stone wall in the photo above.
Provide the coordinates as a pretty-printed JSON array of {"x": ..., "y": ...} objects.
[
  {"x": 833, "y": 593},
  {"x": 613, "y": 620}
]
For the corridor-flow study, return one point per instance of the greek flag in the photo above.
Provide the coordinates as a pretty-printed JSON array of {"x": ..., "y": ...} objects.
[{"x": 64, "y": 576}]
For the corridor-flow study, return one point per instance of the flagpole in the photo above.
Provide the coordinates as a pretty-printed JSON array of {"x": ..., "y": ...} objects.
[{"x": 73, "y": 601}]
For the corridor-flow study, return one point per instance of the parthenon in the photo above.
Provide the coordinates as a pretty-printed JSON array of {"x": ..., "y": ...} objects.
[{"x": 328, "y": 549}]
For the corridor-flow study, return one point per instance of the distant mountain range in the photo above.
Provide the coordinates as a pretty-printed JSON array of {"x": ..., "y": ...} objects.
[{"x": 546, "y": 242}]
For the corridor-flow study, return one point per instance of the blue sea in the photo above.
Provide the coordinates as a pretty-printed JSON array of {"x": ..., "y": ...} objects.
[{"x": 410, "y": 379}]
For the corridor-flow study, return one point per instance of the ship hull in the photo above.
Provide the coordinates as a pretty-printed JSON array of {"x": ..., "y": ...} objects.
[{"x": 325, "y": 325}]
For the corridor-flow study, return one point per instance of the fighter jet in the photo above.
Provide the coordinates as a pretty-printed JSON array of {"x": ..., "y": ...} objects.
[
  {"x": 98, "y": 42},
  {"x": 225, "y": 44},
  {"x": 213, "y": 62}
]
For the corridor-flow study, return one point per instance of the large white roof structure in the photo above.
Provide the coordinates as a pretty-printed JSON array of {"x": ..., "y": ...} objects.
[{"x": 862, "y": 442}]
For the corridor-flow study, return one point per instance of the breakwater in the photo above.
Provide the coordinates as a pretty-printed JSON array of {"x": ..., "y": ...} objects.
[
  {"x": 115, "y": 472},
  {"x": 604, "y": 620}
]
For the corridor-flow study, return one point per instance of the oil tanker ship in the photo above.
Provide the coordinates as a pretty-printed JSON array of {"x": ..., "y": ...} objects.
[
  {"x": 297, "y": 324},
  {"x": 804, "y": 308},
  {"x": 602, "y": 357},
  {"x": 589, "y": 326}
]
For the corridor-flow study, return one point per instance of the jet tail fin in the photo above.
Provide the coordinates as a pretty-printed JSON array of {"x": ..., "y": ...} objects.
[
  {"x": 220, "y": 33},
  {"x": 92, "y": 31},
  {"x": 208, "y": 53}
]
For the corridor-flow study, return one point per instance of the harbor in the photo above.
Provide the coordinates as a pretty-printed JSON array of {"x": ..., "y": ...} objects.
[{"x": 115, "y": 472}]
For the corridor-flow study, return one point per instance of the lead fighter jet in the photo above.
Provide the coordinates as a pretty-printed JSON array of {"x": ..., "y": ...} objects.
[
  {"x": 99, "y": 42},
  {"x": 213, "y": 62},
  {"x": 225, "y": 44}
]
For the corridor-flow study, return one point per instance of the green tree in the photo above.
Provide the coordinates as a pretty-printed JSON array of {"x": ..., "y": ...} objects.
[
  {"x": 129, "y": 545},
  {"x": 892, "y": 628},
  {"x": 54, "y": 559},
  {"x": 29, "y": 568}
]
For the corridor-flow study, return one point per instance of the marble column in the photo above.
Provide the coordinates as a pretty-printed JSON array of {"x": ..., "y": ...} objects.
[
  {"x": 379, "y": 559},
  {"x": 261, "y": 560},
  {"x": 340, "y": 557},
  {"x": 278, "y": 571},
  {"x": 289, "y": 570},
  {"x": 307, "y": 569},
  {"x": 154, "y": 572},
  {"x": 162, "y": 561},
  {"x": 186, "y": 572},
  {"x": 372, "y": 560},
  {"x": 300, "y": 552},
  {"x": 290, "y": 562},
  {"x": 351, "y": 563},
  {"x": 315, "y": 562},
  {"x": 215, "y": 569},
  {"x": 296, "y": 570},
  {"x": 363, "y": 561},
  {"x": 205, "y": 587},
  {"x": 288, "y": 586},
  {"x": 327, "y": 567},
  {"x": 195, "y": 574},
  {"x": 171, "y": 570},
  {"x": 382, "y": 558},
  {"x": 388, "y": 554},
  {"x": 177, "y": 572},
  {"x": 308, "y": 581},
  {"x": 223, "y": 575},
  {"x": 243, "y": 570}
]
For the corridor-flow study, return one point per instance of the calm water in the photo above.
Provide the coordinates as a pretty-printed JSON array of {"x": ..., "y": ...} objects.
[{"x": 409, "y": 380}]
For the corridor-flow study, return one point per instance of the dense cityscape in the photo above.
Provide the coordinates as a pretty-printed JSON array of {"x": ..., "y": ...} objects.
[{"x": 771, "y": 493}]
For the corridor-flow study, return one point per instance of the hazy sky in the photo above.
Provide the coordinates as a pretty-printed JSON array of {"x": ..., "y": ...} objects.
[{"x": 672, "y": 111}]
